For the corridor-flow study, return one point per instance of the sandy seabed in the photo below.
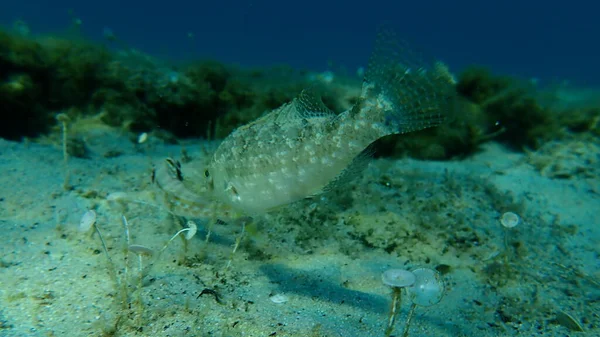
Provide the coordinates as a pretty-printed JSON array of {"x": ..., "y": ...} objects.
[{"x": 311, "y": 269}]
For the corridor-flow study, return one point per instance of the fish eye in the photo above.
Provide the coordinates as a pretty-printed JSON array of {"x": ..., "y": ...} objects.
[{"x": 206, "y": 173}]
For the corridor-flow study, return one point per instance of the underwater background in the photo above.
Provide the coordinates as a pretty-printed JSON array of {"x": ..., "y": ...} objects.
[
  {"x": 485, "y": 225},
  {"x": 549, "y": 40}
]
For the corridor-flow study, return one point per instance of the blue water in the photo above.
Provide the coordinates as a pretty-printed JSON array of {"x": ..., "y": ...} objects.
[
  {"x": 314, "y": 267},
  {"x": 548, "y": 40}
]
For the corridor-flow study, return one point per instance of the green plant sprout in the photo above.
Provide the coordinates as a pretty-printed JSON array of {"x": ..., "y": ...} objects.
[
  {"x": 397, "y": 279},
  {"x": 140, "y": 251},
  {"x": 64, "y": 120},
  {"x": 190, "y": 232},
  {"x": 508, "y": 220},
  {"x": 238, "y": 240},
  {"x": 427, "y": 290},
  {"x": 88, "y": 221}
]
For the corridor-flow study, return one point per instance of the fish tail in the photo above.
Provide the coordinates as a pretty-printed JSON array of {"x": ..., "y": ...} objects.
[{"x": 401, "y": 93}]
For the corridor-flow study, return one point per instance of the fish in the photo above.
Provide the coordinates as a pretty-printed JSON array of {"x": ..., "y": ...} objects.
[{"x": 303, "y": 149}]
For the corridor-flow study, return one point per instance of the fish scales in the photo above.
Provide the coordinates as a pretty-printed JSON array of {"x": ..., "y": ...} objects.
[
  {"x": 275, "y": 161},
  {"x": 299, "y": 149}
]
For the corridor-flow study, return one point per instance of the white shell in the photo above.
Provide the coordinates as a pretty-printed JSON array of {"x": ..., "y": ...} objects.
[
  {"x": 279, "y": 298},
  {"x": 398, "y": 278},
  {"x": 87, "y": 220}
]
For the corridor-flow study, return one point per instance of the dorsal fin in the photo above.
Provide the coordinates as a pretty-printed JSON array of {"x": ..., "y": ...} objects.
[{"x": 307, "y": 105}]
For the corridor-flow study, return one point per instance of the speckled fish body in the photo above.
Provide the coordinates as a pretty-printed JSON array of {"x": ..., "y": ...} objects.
[
  {"x": 302, "y": 148},
  {"x": 278, "y": 159}
]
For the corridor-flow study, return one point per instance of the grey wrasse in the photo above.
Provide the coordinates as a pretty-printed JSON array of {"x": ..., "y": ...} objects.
[{"x": 302, "y": 149}]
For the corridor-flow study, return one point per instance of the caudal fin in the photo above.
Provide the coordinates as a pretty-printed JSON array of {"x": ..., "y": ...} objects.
[{"x": 401, "y": 91}]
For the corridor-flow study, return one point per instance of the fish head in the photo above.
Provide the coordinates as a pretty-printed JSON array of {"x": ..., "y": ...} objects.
[{"x": 223, "y": 187}]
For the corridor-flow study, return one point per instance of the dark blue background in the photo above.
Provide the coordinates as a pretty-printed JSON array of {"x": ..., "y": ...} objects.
[{"x": 550, "y": 40}]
